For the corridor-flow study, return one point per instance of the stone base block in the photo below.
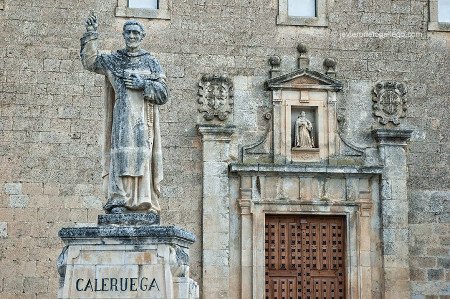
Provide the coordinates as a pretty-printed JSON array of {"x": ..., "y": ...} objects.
[
  {"x": 129, "y": 219},
  {"x": 126, "y": 261},
  {"x": 185, "y": 288}
]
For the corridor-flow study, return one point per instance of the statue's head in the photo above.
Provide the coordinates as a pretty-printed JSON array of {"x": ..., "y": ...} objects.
[
  {"x": 303, "y": 114},
  {"x": 133, "y": 33}
]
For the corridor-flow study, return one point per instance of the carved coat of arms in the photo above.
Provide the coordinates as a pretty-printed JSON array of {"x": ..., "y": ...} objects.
[
  {"x": 389, "y": 102},
  {"x": 215, "y": 97}
]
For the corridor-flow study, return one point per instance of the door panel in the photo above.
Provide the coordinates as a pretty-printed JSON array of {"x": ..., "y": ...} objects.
[{"x": 305, "y": 257}]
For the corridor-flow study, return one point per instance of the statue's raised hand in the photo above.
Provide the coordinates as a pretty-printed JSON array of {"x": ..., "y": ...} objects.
[{"x": 91, "y": 23}]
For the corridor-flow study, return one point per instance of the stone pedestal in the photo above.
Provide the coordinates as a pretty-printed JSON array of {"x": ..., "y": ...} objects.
[{"x": 126, "y": 256}]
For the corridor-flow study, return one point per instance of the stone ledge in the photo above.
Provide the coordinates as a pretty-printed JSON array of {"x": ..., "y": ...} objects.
[
  {"x": 127, "y": 234},
  {"x": 295, "y": 168},
  {"x": 392, "y": 136},
  {"x": 314, "y": 203},
  {"x": 439, "y": 26},
  {"x": 163, "y": 14},
  {"x": 216, "y": 129}
]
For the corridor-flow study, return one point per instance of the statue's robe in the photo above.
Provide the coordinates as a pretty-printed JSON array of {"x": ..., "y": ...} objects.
[
  {"x": 303, "y": 133},
  {"x": 132, "y": 158}
]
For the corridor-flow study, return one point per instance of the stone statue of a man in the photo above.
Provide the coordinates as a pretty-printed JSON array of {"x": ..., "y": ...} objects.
[
  {"x": 303, "y": 132},
  {"x": 135, "y": 86}
]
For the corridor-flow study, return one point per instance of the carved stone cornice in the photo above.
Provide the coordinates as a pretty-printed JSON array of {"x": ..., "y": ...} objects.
[
  {"x": 246, "y": 206},
  {"x": 396, "y": 137},
  {"x": 152, "y": 234},
  {"x": 297, "y": 168},
  {"x": 216, "y": 132},
  {"x": 304, "y": 78}
]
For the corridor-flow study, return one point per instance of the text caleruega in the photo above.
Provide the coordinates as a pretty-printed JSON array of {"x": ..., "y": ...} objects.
[{"x": 107, "y": 284}]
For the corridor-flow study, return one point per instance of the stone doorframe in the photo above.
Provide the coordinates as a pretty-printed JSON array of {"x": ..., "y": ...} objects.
[
  {"x": 255, "y": 261},
  {"x": 383, "y": 209},
  {"x": 360, "y": 211}
]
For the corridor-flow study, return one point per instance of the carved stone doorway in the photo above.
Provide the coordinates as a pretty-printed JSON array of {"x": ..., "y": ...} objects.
[{"x": 305, "y": 257}]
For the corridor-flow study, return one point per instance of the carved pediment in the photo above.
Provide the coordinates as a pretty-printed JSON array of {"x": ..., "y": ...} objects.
[{"x": 304, "y": 79}]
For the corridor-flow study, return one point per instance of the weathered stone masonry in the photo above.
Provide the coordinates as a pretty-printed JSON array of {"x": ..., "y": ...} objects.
[{"x": 50, "y": 117}]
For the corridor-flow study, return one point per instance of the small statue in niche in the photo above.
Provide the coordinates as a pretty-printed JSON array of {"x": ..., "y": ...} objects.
[{"x": 303, "y": 132}]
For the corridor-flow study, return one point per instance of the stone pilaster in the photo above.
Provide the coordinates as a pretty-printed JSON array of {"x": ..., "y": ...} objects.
[
  {"x": 245, "y": 203},
  {"x": 365, "y": 249},
  {"x": 394, "y": 208},
  {"x": 279, "y": 151},
  {"x": 216, "y": 210}
]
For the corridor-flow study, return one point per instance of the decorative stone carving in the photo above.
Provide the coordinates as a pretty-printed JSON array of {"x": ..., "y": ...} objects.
[
  {"x": 389, "y": 102},
  {"x": 330, "y": 65},
  {"x": 299, "y": 139},
  {"x": 61, "y": 265},
  {"x": 304, "y": 137},
  {"x": 303, "y": 60},
  {"x": 260, "y": 151},
  {"x": 179, "y": 262},
  {"x": 348, "y": 152},
  {"x": 301, "y": 48},
  {"x": 132, "y": 157},
  {"x": 275, "y": 62},
  {"x": 215, "y": 97}
]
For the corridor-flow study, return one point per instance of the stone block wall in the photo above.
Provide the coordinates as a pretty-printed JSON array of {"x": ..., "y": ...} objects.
[
  {"x": 429, "y": 250},
  {"x": 51, "y": 111}
]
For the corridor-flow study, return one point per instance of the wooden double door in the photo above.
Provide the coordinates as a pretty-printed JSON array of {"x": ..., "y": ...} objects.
[{"x": 305, "y": 257}]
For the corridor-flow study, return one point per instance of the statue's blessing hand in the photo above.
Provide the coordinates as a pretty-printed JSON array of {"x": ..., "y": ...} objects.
[{"x": 91, "y": 23}]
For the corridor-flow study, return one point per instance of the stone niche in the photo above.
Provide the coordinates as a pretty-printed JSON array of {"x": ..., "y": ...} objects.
[{"x": 313, "y": 137}]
